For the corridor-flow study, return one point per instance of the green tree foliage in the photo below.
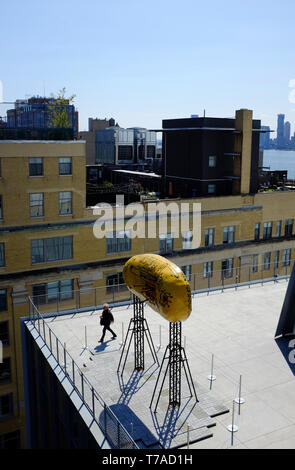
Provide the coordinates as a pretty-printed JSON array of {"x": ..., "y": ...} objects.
[{"x": 57, "y": 109}]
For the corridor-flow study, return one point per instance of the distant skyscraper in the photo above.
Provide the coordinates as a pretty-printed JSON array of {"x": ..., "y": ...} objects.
[
  {"x": 287, "y": 133},
  {"x": 280, "y": 131},
  {"x": 264, "y": 142}
]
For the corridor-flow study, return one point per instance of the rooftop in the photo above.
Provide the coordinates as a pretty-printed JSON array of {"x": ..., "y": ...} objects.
[{"x": 238, "y": 327}]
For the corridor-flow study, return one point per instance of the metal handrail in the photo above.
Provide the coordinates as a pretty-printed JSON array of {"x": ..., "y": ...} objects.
[
  {"x": 119, "y": 289},
  {"x": 36, "y": 317}
]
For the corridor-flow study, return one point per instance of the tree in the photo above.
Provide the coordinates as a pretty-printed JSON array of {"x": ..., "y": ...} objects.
[{"x": 57, "y": 109}]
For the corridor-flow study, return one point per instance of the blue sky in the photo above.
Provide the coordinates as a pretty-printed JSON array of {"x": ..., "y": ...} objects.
[{"x": 141, "y": 62}]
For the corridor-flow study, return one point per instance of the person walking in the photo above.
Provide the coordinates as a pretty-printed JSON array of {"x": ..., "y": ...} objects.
[{"x": 106, "y": 318}]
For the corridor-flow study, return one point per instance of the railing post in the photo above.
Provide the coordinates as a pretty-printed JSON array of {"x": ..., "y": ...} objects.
[
  {"x": 50, "y": 341},
  {"x": 118, "y": 427},
  {"x": 105, "y": 419},
  {"x": 73, "y": 368},
  {"x": 57, "y": 355},
  {"x": 82, "y": 385},
  {"x": 93, "y": 402},
  {"x": 65, "y": 358}
]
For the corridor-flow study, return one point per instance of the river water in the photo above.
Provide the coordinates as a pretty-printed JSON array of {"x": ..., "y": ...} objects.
[{"x": 280, "y": 160}]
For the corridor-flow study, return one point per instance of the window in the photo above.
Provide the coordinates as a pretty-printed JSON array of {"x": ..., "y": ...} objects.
[
  {"x": 37, "y": 205},
  {"x": 6, "y": 405},
  {"x": 65, "y": 166},
  {"x": 4, "y": 333},
  {"x": 53, "y": 291},
  {"x": 36, "y": 166},
  {"x": 5, "y": 371},
  {"x": 209, "y": 236},
  {"x": 229, "y": 234},
  {"x": 187, "y": 238},
  {"x": 276, "y": 259},
  {"x": 1, "y": 207},
  {"x": 166, "y": 243},
  {"x": 278, "y": 228},
  {"x": 255, "y": 264},
  {"x": 227, "y": 266},
  {"x": 208, "y": 269},
  {"x": 267, "y": 230},
  {"x": 211, "y": 188},
  {"x": 51, "y": 249},
  {"x": 115, "y": 283},
  {"x": 266, "y": 261},
  {"x": 212, "y": 161},
  {"x": 187, "y": 271},
  {"x": 150, "y": 151},
  {"x": 3, "y": 300},
  {"x": 10, "y": 440},
  {"x": 2, "y": 255},
  {"x": 141, "y": 152},
  {"x": 124, "y": 152},
  {"x": 118, "y": 241},
  {"x": 65, "y": 203},
  {"x": 286, "y": 259},
  {"x": 289, "y": 227},
  {"x": 257, "y": 231}
]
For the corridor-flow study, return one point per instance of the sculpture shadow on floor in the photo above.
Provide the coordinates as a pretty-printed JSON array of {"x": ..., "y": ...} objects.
[{"x": 136, "y": 429}]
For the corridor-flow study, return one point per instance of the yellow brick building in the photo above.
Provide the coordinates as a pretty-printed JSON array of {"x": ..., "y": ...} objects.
[{"x": 48, "y": 249}]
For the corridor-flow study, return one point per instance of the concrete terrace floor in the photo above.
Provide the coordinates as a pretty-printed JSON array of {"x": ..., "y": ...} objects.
[{"x": 238, "y": 327}]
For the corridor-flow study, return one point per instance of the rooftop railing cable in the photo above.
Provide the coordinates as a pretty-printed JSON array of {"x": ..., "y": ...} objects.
[{"x": 107, "y": 421}]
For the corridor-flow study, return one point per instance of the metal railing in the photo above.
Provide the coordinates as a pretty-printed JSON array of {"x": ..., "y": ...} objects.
[
  {"x": 112, "y": 428},
  {"x": 93, "y": 298}
]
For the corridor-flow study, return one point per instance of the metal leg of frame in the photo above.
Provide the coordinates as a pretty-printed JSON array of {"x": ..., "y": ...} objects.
[
  {"x": 130, "y": 329},
  {"x": 139, "y": 329},
  {"x": 150, "y": 342},
  {"x": 176, "y": 356}
]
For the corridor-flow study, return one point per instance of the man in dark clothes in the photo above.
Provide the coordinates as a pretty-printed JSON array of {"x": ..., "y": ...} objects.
[{"x": 106, "y": 318}]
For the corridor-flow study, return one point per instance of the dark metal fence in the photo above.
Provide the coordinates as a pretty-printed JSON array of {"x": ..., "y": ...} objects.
[
  {"x": 205, "y": 282},
  {"x": 114, "y": 431}
]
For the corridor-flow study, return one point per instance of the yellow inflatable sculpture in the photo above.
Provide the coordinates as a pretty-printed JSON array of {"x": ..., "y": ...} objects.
[{"x": 161, "y": 283}]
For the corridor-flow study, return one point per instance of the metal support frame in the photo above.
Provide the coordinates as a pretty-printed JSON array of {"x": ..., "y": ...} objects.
[
  {"x": 138, "y": 330},
  {"x": 176, "y": 360}
]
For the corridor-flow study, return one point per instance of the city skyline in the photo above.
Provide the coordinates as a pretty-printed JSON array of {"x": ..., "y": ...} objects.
[{"x": 140, "y": 66}]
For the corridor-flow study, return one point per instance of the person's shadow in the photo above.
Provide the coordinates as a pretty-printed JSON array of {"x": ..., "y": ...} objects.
[{"x": 102, "y": 346}]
